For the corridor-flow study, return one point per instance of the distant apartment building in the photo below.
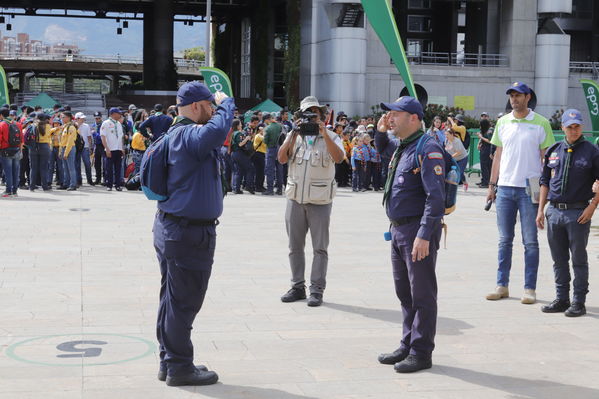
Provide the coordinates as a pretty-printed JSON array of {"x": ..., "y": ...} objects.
[{"x": 23, "y": 45}]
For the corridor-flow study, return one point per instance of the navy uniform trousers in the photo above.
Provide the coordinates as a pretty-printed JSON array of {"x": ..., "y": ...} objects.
[
  {"x": 416, "y": 288},
  {"x": 185, "y": 253}
]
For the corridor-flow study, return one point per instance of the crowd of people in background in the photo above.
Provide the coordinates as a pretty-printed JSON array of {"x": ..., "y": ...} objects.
[{"x": 57, "y": 146}]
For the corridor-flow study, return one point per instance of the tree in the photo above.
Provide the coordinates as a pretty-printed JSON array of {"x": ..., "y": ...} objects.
[{"x": 194, "y": 53}]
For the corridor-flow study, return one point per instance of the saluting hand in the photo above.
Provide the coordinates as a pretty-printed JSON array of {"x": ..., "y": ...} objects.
[
  {"x": 420, "y": 249},
  {"x": 219, "y": 97},
  {"x": 383, "y": 124}
]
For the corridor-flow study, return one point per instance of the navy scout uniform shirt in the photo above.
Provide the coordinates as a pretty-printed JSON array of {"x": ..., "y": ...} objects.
[
  {"x": 582, "y": 172},
  {"x": 419, "y": 193},
  {"x": 194, "y": 184}
]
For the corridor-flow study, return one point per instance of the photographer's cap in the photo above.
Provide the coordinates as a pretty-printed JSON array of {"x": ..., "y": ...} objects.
[
  {"x": 571, "y": 117},
  {"x": 80, "y": 115},
  {"x": 407, "y": 104},
  {"x": 114, "y": 110},
  {"x": 518, "y": 87},
  {"x": 312, "y": 101},
  {"x": 192, "y": 92}
]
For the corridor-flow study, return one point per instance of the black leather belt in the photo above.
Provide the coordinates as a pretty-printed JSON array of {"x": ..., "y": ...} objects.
[
  {"x": 405, "y": 220},
  {"x": 569, "y": 205},
  {"x": 191, "y": 222}
]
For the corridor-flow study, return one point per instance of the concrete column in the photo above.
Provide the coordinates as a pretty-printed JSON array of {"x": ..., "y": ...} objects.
[
  {"x": 68, "y": 82},
  {"x": 22, "y": 81},
  {"x": 149, "y": 71},
  {"x": 163, "y": 46},
  {"x": 518, "y": 31},
  {"x": 114, "y": 84},
  {"x": 552, "y": 72}
]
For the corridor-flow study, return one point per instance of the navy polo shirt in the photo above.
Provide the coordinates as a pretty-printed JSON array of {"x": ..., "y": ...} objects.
[
  {"x": 158, "y": 124},
  {"x": 421, "y": 193},
  {"x": 584, "y": 169},
  {"x": 385, "y": 144},
  {"x": 194, "y": 185}
]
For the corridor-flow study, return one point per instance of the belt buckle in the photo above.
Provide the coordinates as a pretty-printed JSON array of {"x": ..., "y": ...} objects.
[{"x": 562, "y": 206}]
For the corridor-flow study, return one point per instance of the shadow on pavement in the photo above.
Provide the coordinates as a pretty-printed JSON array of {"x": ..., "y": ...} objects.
[
  {"x": 445, "y": 326},
  {"x": 225, "y": 391},
  {"x": 30, "y": 199},
  {"x": 522, "y": 387}
]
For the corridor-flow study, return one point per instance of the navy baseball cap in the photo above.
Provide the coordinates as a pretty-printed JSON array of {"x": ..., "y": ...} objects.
[
  {"x": 114, "y": 110},
  {"x": 571, "y": 117},
  {"x": 192, "y": 92},
  {"x": 407, "y": 104},
  {"x": 519, "y": 87}
]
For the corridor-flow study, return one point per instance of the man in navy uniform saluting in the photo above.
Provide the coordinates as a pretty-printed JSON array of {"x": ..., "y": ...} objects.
[
  {"x": 571, "y": 166},
  {"x": 185, "y": 227},
  {"x": 415, "y": 203}
]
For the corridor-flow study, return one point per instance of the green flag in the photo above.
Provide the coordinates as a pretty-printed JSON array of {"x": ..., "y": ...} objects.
[
  {"x": 217, "y": 80},
  {"x": 3, "y": 87},
  {"x": 591, "y": 93},
  {"x": 381, "y": 18}
]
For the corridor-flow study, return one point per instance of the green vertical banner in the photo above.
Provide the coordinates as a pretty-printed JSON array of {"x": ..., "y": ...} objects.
[
  {"x": 591, "y": 93},
  {"x": 4, "y": 99},
  {"x": 381, "y": 18},
  {"x": 217, "y": 80}
]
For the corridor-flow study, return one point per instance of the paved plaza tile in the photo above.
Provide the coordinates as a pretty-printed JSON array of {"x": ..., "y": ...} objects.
[{"x": 78, "y": 275}]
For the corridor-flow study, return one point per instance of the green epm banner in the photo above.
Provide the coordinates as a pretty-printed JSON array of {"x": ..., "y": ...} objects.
[
  {"x": 216, "y": 80},
  {"x": 381, "y": 18},
  {"x": 3, "y": 87},
  {"x": 591, "y": 93}
]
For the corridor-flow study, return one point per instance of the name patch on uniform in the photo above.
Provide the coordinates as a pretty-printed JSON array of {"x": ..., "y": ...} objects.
[
  {"x": 435, "y": 155},
  {"x": 438, "y": 170}
]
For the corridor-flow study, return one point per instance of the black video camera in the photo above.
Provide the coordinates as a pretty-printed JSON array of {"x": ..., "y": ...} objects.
[{"x": 307, "y": 125}]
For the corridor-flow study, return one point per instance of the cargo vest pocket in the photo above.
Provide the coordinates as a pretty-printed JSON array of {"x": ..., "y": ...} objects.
[{"x": 319, "y": 191}]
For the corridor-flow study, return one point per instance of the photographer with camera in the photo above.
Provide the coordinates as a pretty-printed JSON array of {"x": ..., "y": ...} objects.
[
  {"x": 242, "y": 149},
  {"x": 312, "y": 152}
]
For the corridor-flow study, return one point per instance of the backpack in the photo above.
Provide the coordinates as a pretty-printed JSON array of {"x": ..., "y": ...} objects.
[
  {"x": 31, "y": 135},
  {"x": 451, "y": 173},
  {"x": 466, "y": 141},
  {"x": 79, "y": 143},
  {"x": 14, "y": 136},
  {"x": 153, "y": 170}
]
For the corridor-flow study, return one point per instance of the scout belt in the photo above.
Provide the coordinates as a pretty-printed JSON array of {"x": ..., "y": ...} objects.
[
  {"x": 569, "y": 205},
  {"x": 404, "y": 220},
  {"x": 191, "y": 222}
]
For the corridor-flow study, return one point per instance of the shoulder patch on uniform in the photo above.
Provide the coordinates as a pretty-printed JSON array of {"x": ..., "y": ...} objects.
[
  {"x": 435, "y": 155},
  {"x": 438, "y": 170}
]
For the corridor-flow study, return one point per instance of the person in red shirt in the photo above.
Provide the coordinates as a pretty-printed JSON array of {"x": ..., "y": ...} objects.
[{"x": 10, "y": 156}]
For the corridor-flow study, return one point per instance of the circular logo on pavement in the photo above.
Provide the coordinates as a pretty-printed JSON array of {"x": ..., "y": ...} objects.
[{"x": 88, "y": 349}]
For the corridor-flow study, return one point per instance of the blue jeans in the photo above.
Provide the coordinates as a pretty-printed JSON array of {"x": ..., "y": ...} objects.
[
  {"x": 137, "y": 156},
  {"x": 511, "y": 201},
  {"x": 244, "y": 170},
  {"x": 565, "y": 235},
  {"x": 11, "y": 167},
  {"x": 274, "y": 170},
  {"x": 68, "y": 167},
  {"x": 463, "y": 164},
  {"x": 83, "y": 156},
  {"x": 39, "y": 161},
  {"x": 56, "y": 164}
]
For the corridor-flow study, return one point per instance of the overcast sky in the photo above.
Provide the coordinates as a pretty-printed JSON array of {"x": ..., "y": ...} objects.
[{"x": 98, "y": 36}]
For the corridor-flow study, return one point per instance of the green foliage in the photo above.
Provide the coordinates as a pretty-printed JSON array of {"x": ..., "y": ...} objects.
[
  {"x": 292, "y": 54},
  {"x": 442, "y": 111},
  {"x": 556, "y": 119},
  {"x": 194, "y": 53}
]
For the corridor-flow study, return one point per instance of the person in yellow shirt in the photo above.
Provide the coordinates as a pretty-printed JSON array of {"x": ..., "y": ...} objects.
[
  {"x": 40, "y": 153},
  {"x": 259, "y": 157},
  {"x": 55, "y": 161},
  {"x": 138, "y": 147},
  {"x": 67, "y": 152}
]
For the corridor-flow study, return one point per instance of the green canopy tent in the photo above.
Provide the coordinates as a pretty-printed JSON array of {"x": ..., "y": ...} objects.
[
  {"x": 265, "y": 106},
  {"x": 43, "y": 100}
]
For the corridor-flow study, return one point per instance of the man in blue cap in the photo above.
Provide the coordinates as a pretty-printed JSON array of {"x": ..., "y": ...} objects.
[
  {"x": 185, "y": 227},
  {"x": 414, "y": 200},
  {"x": 570, "y": 169},
  {"x": 521, "y": 138}
]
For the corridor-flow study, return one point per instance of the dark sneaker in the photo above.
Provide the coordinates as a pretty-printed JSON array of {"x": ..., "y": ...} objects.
[
  {"x": 394, "y": 357},
  {"x": 162, "y": 371},
  {"x": 198, "y": 377},
  {"x": 294, "y": 294},
  {"x": 268, "y": 193},
  {"x": 6, "y": 194},
  {"x": 413, "y": 363},
  {"x": 315, "y": 300},
  {"x": 576, "y": 309},
  {"x": 238, "y": 192},
  {"x": 119, "y": 188},
  {"x": 557, "y": 306}
]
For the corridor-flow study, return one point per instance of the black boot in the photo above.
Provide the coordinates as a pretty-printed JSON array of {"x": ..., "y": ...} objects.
[
  {"x": 557, "y": 306},
  {"x": 394, "y": 357},
  {"x": 576, "y": 309},
  {"x": 294, "y": 294},
  {"x": 413, "y": 363}
]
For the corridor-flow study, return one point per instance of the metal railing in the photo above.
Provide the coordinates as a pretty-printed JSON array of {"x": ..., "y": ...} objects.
[
  {"x": 112, "y": 59},
  {"x": 585, "y": 67},
  {"x": 459, "y": 59}
]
